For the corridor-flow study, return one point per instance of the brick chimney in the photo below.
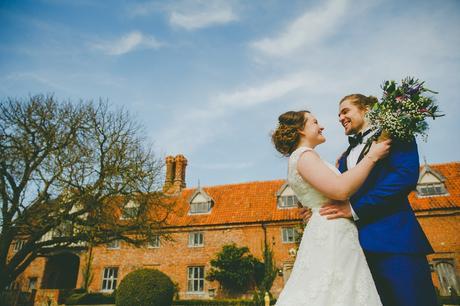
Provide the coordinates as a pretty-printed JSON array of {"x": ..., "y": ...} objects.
[
  {"x": 179, "y": 178},
  {"x": 170, "y": 171},
  {"x": 175, "y": 174}
]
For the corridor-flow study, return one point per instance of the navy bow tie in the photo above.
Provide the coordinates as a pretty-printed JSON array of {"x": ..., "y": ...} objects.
[{"x": 357, "y": 138}]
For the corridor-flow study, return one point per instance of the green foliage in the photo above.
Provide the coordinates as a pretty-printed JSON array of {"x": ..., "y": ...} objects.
[
  {"x": 270, "y": 270},
  {"x": 95, "y": 298},
  {"x": 145, "y": 287},
  {"x": 403, "y": 109},
  {"x": 267, "y": 274},
  {"x": 224, "y": 302},
  {"x": 234, "y": 269},
  {"x": 69, "y": 168}
]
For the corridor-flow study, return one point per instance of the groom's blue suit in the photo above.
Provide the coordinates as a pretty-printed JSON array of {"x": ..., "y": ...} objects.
[{"x": 392, "y": 239}]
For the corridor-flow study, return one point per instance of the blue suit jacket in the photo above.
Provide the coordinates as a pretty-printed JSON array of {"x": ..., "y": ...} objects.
[{"x": 386, "y": 222}]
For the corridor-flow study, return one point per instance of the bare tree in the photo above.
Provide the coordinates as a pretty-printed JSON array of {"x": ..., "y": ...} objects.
[{"x": 67, "y": 173}]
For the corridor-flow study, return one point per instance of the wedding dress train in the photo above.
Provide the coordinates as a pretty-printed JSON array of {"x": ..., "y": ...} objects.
[{"x": 330, "y": 267}]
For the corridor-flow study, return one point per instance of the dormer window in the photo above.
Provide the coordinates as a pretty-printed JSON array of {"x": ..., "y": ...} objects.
[
  {"x": 431, "y": 189},
  {"x": 430, "y": 183},
  {"x": 200, "y": 202},
  {"x": 130, "y": 211},
  {"x": 286, "y": 197}
]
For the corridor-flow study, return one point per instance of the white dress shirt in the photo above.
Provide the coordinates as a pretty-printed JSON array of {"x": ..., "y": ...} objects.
[{"x": 352, "y": 160}]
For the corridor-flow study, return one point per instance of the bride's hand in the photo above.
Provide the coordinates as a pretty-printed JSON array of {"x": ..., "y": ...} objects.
[{"x": 379, "y": 150}]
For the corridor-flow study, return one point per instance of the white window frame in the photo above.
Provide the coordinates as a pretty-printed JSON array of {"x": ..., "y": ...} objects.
[
  {"x": 200, "y": 208},
  {"x": 109, "y": 279},
  {"x": 114, "y": 245},
  {"x": 194, "y": 240},
  {"x": 446, "y": 281},
  {"x": 155, "y": 242},
  {"x": 431, "y": 190},
  {"x": 129, "y": 211},
  {"x": 195, "y": 284},
  {"x": 283, "y": 201},
  {"x": 18, "y": 245},
  {"x": 285, "y": 235}
]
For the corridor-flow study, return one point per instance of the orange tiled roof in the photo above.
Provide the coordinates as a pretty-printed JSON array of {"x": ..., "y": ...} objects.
[
  {"x": 235, "y": 203},
  {"x": 257, "y": 202},
  {"x": 451, "y": 172}
]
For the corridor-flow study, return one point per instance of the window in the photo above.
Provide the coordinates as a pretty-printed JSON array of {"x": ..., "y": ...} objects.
[
  {"x": 32, "y": 283},
  {"x": 200, "y": 208},
  {"x": 200, "y": 203},
  {"x": 195, "y": 279},
  {"x": 288, "y": 201},
  {"x": 289, "y": 235},
  {"x": 195, "y": 239},
  {"x": 286, "y": 197},
  {"x": 130, "y": 211},
  {"x": 115, "y": 244},
  {"x": 154, "y": 242},
  {"x": 109, "y": 279},
  {"x": 445, "y": 271},
  {"x": 19, "y": 244},
  {"x": 433, "y": 189}
]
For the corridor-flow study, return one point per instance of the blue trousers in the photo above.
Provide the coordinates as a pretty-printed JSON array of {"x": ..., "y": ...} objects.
[{"x": 402, "y": 279}]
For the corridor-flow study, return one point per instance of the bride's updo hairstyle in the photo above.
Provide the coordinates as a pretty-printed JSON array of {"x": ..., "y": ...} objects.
[
  {"x": 361, "y": 101},
  {"x": 286, "y": 137}
]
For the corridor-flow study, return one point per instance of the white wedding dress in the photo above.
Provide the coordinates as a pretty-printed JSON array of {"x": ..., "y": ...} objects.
[{"x": 330, "y": 267}]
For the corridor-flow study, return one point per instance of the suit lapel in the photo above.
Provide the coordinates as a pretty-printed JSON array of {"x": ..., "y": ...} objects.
[
  {"x": 364, "y": 151},
  {"x": 343, "y": 161}
]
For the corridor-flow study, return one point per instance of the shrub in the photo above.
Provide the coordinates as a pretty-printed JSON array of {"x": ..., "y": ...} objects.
[
  {"x": 145, "y": 287},
  {"x": 224, "y": 302},
  {"x": 90, "y": 299},
  {"x": 234, "y": 269}
]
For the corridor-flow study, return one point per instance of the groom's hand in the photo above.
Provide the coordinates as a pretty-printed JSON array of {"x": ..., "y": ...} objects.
[
  {"x": 305, "y": 213},
  {"x": 336, "y": 209}
]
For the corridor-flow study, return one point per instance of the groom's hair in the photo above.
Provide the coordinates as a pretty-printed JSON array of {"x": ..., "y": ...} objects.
[
  {"x": 361, "y": 101},
  {"x": 286, "y": 137}
]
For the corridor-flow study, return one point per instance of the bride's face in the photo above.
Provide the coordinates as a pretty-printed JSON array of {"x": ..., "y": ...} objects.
[{"x": 313, "y": 131}]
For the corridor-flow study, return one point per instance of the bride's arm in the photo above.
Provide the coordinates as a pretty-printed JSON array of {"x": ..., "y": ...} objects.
[{"x": 334, "y": 186}]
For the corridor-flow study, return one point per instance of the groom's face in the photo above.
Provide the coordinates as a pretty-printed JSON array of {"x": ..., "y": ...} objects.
[{"x": 351, "y": 117}]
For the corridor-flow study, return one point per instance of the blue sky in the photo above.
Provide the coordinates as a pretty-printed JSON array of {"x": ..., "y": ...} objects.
[{"x": 208, "y": 79}]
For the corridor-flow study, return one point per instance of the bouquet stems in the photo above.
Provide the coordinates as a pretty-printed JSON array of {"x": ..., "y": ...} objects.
[{"x": 383, "y": 136}]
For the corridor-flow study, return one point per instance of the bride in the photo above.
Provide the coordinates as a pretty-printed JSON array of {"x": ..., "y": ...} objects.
[{"x": 330, "y": 268}]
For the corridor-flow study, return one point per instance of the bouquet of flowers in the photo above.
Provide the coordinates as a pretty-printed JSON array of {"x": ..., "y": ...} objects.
[{"x": 402, "y": 112}]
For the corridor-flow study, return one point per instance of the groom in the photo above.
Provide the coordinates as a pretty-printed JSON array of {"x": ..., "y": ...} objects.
[{"x": 389, "y": 233}]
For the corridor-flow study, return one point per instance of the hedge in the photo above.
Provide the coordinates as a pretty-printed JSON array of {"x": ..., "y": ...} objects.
[
  {"x": 90, "y": 299},
  {"x": 145, "y": 287}
]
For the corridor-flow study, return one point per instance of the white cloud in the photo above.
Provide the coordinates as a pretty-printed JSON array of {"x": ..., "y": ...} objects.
[
  {"x": 260, "y": 94},
  {"x": 312, "y": 27},
  {"x": 128, "y": 43},
  {"x": 192, "y": 15},
  {"x": 192, "y": 128}
]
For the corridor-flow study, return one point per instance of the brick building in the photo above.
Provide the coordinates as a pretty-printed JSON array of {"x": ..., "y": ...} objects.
[{"x": 248, "y": 214}]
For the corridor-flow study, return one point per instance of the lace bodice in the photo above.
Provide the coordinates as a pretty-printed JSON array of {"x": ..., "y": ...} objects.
[
  {"x": 330, "y": 267},
  {"x": 307, "y": 195}
]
